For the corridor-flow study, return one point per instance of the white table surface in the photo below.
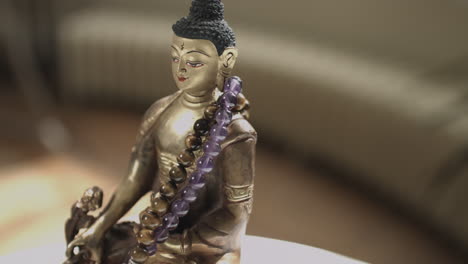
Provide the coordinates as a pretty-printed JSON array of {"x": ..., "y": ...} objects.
[{"x": 256, "y": 250}]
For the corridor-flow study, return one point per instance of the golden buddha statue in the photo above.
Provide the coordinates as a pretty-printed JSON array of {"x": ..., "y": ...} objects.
[{"x": 195, "y": 151}]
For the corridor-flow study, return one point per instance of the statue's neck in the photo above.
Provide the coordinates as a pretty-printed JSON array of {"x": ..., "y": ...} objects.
[{"x": 200, "y": 99}]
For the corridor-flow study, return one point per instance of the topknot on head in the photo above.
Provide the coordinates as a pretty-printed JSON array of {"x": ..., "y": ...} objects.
[
  {"x": 206, "y": 21},
  {"x": 208, "y": 10}
]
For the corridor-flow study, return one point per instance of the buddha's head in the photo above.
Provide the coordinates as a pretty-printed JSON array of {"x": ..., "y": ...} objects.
[{"x": 203, "y": 48}]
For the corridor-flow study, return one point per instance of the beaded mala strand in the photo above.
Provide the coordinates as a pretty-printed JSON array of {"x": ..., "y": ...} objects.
[{"x": 169, "y": 204}]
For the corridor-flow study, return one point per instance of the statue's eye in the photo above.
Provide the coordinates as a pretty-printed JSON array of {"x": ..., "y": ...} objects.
[
  {"x": 195, "y": 64},
  {"x": 175, "y": 59}
]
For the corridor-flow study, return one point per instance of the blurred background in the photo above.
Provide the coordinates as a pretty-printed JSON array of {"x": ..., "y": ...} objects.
[{"x": 361, "y": 109}]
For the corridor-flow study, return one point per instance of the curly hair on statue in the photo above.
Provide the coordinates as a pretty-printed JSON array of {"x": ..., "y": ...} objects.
[{"x": 206, "y": 21}]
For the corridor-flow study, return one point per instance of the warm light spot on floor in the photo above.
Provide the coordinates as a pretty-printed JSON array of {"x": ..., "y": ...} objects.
[
  {"x": 27, "y": 192},
  {"x": 36, "y": 196}
]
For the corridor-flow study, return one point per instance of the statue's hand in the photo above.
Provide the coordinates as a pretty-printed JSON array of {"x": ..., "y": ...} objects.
[{"x": 87, "y": 244}]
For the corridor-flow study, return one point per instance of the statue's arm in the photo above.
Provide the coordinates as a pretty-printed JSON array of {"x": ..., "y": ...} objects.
[
  {"x": 137, "y": 181},
  {"x": 135, "y": 184},
  {"x": 220, "y": 231},
  {"x": 223, "y": 228}
]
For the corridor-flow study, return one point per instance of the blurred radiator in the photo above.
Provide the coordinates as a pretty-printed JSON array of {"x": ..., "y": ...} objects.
[{"x": 114, "y": 57}]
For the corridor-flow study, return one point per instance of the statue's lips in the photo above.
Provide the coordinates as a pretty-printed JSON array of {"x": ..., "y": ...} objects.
[{"x": 182, "y": 79}]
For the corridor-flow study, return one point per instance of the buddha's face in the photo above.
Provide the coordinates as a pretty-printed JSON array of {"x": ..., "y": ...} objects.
[{"x": 196, "y": 65}]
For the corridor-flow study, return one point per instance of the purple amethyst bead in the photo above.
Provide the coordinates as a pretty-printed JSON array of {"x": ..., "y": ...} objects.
[
  {"x": 189, "y": 194},
  {"x": 161, "y": 234},
  {"x": 151, "y": 249},
  {"x": 170, "y": 221},
  {"x": 218, "y": 132},
  {"x": 233, "y": 84},
  {"x": 197, "y": 180},
  {"x": 180, "y": 207},
  {"x": 205, "y": 164},
  {"x": 227, "y": 100},
  {"x": 223, "y": 116},
  {"x": 212, "y": 148}
]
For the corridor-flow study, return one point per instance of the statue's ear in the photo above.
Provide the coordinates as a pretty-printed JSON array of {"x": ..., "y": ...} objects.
[{"x": 228, "y": 60}]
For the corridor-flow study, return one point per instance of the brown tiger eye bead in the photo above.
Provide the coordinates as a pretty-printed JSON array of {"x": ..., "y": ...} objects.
[
  {"x": 186, "y": 158},
  {"x": 241, "y": 103},
  {"x": 178, "y": 174},
  {"x": 168, "y": 190},
  {"x": 136, "y": 228},
  {"x": 145, "y": 237},
  {"x": 210, "y": 111},
  {"x": 201, "y": 126},
  {"x": 139, "y": 255},
  {"x": 193, "y": 142},
  {"x": 149, "y": 219},
  {"x": 158, "y": 204}
]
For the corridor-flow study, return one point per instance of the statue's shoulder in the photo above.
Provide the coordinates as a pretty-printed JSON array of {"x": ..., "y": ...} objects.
[
  {"x": 159, "y": 106},
  {"x": 239, "y": 130},
  {"x": 154, "y": 111}
]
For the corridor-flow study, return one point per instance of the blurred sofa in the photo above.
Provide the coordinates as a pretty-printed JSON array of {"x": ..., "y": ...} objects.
[{"x": 377, "y": 88}]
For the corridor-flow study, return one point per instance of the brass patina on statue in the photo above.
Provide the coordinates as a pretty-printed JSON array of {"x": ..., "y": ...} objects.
[{"x": 195, "y": 151}]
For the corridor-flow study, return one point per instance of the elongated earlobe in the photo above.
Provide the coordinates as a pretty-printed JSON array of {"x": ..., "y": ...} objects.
[{"x": 228, "y": 60}]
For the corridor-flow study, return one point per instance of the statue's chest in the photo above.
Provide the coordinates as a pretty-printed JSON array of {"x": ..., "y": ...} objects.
[{"x": 170, "y": 132}]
